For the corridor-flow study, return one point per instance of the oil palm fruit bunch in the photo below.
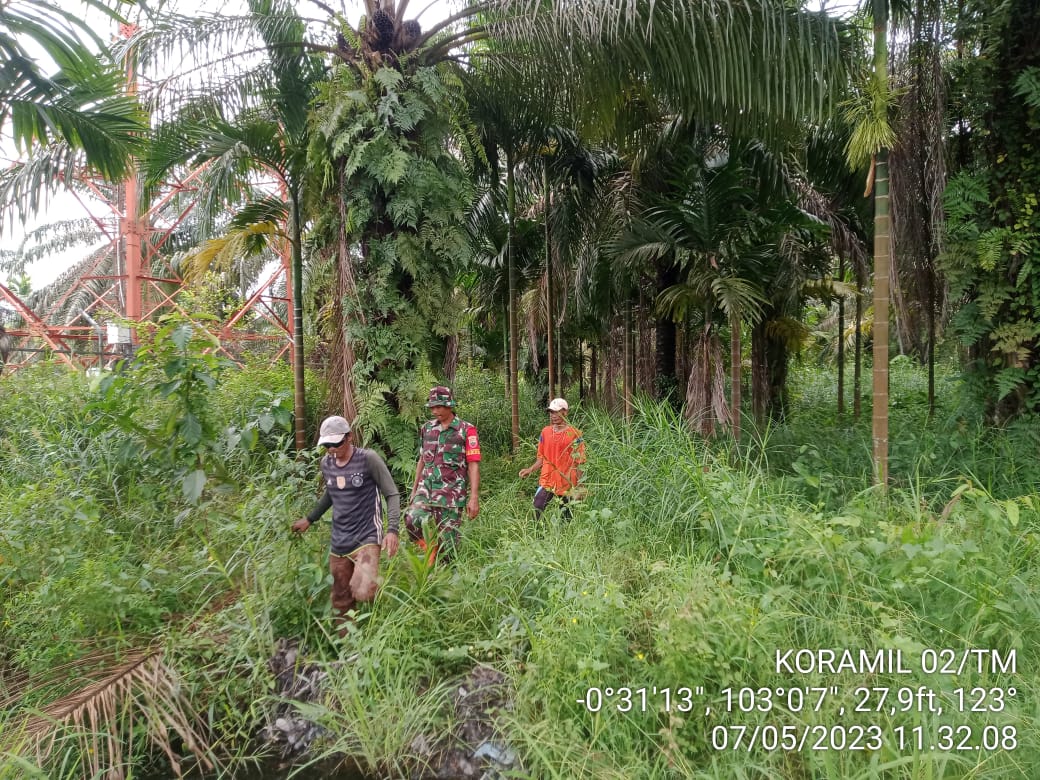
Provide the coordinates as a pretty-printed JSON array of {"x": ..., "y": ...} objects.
[
  {"x": 411, "y": 31},
  {"x": 383, "y": 27}
]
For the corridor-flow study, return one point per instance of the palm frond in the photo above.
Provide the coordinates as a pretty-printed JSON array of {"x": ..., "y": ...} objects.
[
  {"x": 790, "y": 330},
  {"x": 738, "y": 298},
  {"x": 142, "y": 688},
  {"x": 868, "y": 114},
  {"x": 83, "y": 104},
  {"x": 27, "y": 185},
  {"x": 752, "y": 65},
  {"x": 48, "y": 240},
  {"x": 706, "y": 406},
  {"x": 222, "y": 253}
]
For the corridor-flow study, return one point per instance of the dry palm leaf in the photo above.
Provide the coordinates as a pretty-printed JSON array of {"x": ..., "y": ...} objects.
[{"x": 142, "y": 687}]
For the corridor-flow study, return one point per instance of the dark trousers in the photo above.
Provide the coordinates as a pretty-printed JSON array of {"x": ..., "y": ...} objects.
[{"x": 542, "y": 497}]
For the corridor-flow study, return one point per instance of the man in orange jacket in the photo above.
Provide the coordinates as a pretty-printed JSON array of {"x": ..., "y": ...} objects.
[{"x": 561, "y": 452}]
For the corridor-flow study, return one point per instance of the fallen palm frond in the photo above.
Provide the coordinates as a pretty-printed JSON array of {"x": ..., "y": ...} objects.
[
  {"x": 98, "y": 716},
  {"x": 18, "y": 685}
]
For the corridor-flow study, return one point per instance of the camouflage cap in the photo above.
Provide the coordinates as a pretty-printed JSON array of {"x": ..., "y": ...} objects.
[{"x": 441, "y": 396}]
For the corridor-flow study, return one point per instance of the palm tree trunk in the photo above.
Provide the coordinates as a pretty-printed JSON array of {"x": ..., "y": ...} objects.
[
  {"x": 882, "y": 248},
  {"x": 682, "y": 361},
  {"x": 841, "y": 340},
  {"x": 759, "y": 373},
  {"x": 559, "y": 360},
  {"x": 645, "y": 363},
  {"x": 299, "y": 398},
  {"x": 734, "y": 375},
  {"x": 514, "y": 381},
  {"x": 904, "y": 325},
  {"x": 857, "y": 369},
  {"x": 346, "y": 287},
  {"x": 593, "y": 371},
  {"x": 581, "y": 370},
  {"x": 628, "y": 369},
  {"x": 451, "y": 358},
  {"x": 705, "y": 389},
  {"x": 931, "y": 342},
  {"x": 505, "y": 357},
  {"x": 777, "y": 359},
  {"x": 611, "y": 371},
  {"x": 882, "y": 261},
  {"x": 665, "y": 334},
  {"x": 550, "y": 315}
]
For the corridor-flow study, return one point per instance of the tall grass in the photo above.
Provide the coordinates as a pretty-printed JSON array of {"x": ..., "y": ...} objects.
[{"x": 686, "y": 567}]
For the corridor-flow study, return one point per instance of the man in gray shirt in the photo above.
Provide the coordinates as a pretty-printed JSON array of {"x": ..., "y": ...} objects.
[{"x": 354, "y": 480}]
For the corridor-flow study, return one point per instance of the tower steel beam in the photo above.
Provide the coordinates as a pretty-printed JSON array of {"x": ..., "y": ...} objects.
[{"x": 143, "y": 284}]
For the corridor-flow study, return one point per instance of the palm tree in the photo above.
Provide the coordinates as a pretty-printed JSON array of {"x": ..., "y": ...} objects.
[
  {"x": 882, "y": 249},
  {"x": 513, "y": 121},
  {"x": 918, "y": 169},
  {"x": 391, "y": 145},
  {"x": 871, "y": 139},
  {"x": 707, "y": 227},
  {"x": 81, "y": 108},
  {"x": 268, "y": 137}
]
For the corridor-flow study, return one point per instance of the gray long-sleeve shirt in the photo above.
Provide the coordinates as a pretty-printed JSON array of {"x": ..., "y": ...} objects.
[{"x": 353, "y": 490}]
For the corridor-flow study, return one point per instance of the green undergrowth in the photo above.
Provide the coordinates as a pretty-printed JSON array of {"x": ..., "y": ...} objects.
[
  {"x": 826, "y": 457},
  {"x": 685, "y": 568}
]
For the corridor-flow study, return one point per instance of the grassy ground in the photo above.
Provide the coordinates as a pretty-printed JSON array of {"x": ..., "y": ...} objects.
[{"x": 688, "y": 567}]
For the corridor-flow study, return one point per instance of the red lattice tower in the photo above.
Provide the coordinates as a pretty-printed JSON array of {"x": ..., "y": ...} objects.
[{"x": 143, "y": 285}]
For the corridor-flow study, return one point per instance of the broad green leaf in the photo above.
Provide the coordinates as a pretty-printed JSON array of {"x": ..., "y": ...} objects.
[
  {"x": 181, "y": 336},
  {"x": 191, "y": 429},
  {"x": 193, "y": 484},
  {"x": 266, "y": 422},
  {"x": 166, "y": 389},
  {"x": 249, "y": 438},
  {"x": 1011, "y": 506}
]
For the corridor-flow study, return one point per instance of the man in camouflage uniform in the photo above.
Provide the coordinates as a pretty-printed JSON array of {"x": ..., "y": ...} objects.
[{"x": 448, "y": 469}]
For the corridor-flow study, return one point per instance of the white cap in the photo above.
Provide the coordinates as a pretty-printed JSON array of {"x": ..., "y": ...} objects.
[
  {"x": 333, "y": 429},
  {"x": 558, "y": 405}
]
